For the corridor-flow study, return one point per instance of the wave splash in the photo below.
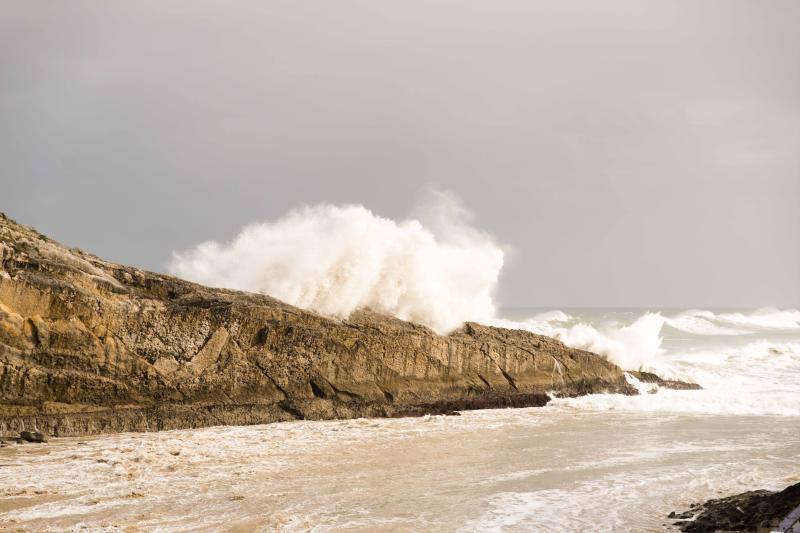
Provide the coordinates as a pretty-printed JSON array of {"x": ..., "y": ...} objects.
[
  {"x": 636, "y": 346},
  {"x": 747, "y": 363},
  {"x": 337, "y": 259},
  {"x": 758, "y": 378},
  {"x": 632, "y": 347},
  {"x": 441, "y": 272}
]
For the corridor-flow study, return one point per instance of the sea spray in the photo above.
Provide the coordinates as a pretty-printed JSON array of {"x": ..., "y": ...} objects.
[
  {"x": 441, "y": 273},
  {"x": 633, "y": 347},
  {"x": 762, "y": 348},
  {"x": 757, "y": 378},
  {"x": 436, "y": 269},
  {"x": 337, "y": 259}
]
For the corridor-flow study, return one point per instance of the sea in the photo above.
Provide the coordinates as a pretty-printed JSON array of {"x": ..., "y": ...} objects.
[{"x": 603, "y": 462}]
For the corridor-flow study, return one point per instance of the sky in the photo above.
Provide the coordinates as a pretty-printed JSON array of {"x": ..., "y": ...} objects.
[{"x": 630, "y": 153}]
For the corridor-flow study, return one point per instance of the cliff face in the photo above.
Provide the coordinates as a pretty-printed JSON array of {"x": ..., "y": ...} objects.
[{"x": 88, "y": 346}]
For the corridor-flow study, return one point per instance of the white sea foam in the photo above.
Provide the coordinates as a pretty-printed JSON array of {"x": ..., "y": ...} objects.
[
  {"x": 632, "y": 346},
  {"x": 637, "y": 345},
  {"x": 337, "y": 259},
  {"x": 700, "y": 322},
  {"x": 518, "y": 469},
  {"x": 751, "y": 367},
  {"x": 764, "y": 319},
  {"x": 759, "y": 378}
]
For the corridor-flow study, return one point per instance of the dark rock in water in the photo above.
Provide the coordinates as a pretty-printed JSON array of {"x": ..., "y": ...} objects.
[
  {"x": 88, "y": 346},
  {"x": 649, "y": 377},
  {"x": 750, "y": 511},
  {"x": 486, "y": 401},
  {"x": 32, "y": 436}
]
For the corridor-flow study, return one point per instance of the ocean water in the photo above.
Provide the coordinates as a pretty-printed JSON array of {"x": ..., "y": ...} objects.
[
  {"x": 748, "y": 361},
  {"x": 596, "y": 463}
]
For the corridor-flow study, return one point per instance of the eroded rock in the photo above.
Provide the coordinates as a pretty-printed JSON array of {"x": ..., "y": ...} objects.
[
  {"x": 32, "y": 436},
  {"x": 88, "y": 346},
  {"x": 758, "y": 510}
]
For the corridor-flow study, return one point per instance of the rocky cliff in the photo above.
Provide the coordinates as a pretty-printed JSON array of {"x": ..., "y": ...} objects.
[{"x": 89, "y": 346}]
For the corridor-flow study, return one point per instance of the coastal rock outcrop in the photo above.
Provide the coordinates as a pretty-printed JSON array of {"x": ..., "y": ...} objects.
[
  {"x": 89, "y": 346},
  {"x": 649, "y": 377},
  {"x": 758, "y": 510}
]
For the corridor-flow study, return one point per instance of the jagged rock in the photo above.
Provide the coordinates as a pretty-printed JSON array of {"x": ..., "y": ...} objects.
[
  {"x": 649, "y": 377},
  {"x": 32, "y": 436},
  {"x": 88, "y": 346},
  {"x": 758, "y": 510}
]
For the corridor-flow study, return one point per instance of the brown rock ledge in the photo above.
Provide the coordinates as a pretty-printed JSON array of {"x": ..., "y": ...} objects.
[{"x": 88, "y": 346}]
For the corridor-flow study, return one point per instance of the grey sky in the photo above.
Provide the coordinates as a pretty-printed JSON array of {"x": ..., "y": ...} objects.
[{"x": 633, "y": 153}]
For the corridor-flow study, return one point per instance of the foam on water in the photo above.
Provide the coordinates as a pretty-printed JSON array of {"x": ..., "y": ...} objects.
[
  {"x": 631, "y": 346},
  {"x": 746, "y": 362},
  {"x": 599, "y": 462},
  {"x": 701, "y": 323},
  {"x": 518, "y": 469}
]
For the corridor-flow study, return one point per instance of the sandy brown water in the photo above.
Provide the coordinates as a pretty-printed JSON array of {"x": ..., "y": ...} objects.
[
  {"x": 594, "y": 463},
  {"x": 557, "y": 468}
]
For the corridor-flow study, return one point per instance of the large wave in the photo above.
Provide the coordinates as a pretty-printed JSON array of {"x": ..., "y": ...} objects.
[
  {"x": 337, "y": 259},
  {"x": 437, "y": 269}
]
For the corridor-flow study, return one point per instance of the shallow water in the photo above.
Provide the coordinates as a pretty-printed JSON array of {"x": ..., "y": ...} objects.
[
  {"x": 550, "y": 469},
  {"x": 602, "y": 462}
]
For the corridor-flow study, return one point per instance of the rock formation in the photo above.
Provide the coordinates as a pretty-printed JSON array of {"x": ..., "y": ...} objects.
[
  {"x": 88, "y": 346},
  {"x": 757, "y": 510}
]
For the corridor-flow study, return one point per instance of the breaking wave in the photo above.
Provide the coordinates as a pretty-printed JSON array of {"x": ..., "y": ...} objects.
[
  {"x": 758, "y": 378},
  {"x": 702, "y": 322},
  {"x": 632, "y": 346},
  {"x": 437, "y": 269},
  {"x": 337, "y": 259},
  {"x": 637, "y": 345},
  {"x": 747, "y": 363}
]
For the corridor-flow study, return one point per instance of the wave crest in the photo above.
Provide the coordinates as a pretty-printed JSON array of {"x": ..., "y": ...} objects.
[
  {"x": 337, "y": 259},
  {"x": 701, "y": 322},
  {"x": 632, "y": 347}
]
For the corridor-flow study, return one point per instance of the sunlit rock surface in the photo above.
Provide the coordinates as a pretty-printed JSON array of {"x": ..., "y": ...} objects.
[{"x": 88, "y": 346}]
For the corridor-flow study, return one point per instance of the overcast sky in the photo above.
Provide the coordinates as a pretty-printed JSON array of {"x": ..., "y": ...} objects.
[{"x": 633, "y": 153}]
